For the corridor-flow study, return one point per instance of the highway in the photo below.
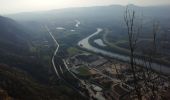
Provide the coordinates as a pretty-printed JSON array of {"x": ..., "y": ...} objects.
[
  {"x": 55, "y": 52},
  {"x": 55, "y": 67},
  {"x": 67, "y": 68}
]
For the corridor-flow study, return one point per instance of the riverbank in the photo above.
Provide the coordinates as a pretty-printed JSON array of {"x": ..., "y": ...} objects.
[{"x": 84, "y": 44}]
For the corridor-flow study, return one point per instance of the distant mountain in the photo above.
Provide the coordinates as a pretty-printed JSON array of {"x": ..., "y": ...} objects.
[
  {"x": 99, "y": 12},
  {"x": 15, "y": 44},
  {"x": 13, "y": 38}
]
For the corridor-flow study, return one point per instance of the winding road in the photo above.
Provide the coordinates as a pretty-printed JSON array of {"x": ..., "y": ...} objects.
[
  {"x": 65, "y": 64},
  {"x": 67, "y": 68},
  {"x": 55, "y": 52}
]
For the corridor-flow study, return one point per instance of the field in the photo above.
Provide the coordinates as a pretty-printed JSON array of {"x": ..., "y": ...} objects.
[{"x": 83, "y": 71}]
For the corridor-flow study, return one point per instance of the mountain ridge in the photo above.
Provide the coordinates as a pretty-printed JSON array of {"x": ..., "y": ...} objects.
[{"x": 107, "y": 12}]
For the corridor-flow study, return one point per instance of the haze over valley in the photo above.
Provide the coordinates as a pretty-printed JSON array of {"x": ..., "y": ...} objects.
[{"x": 91, "y": 50}]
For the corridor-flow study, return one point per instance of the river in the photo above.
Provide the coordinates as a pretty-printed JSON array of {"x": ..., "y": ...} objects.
[
  {"x": 84, "y": 43},
  {"x": 77, "y": 23}
]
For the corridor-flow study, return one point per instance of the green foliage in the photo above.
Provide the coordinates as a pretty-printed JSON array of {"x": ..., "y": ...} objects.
[
  {"x": 21, "y": 86},
  {"x": 83, "y": 71},
  {"x": 73, "y": 51}
]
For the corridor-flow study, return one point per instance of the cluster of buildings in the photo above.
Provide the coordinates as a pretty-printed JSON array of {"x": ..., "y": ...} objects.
[
  {"x": 112, "y": 79},
  {"x": 103, "y": 75}
]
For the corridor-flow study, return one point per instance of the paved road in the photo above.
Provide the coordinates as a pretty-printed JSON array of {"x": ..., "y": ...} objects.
[
  {"x": 82, "y": 82},
  {"x": 57, "y": 72},
  {"x": 55, "y": 52},
  {"x": 54, "y": 65}
]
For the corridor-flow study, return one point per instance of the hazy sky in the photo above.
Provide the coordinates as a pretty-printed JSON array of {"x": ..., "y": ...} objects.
[{"x": 15, "y": 6}]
